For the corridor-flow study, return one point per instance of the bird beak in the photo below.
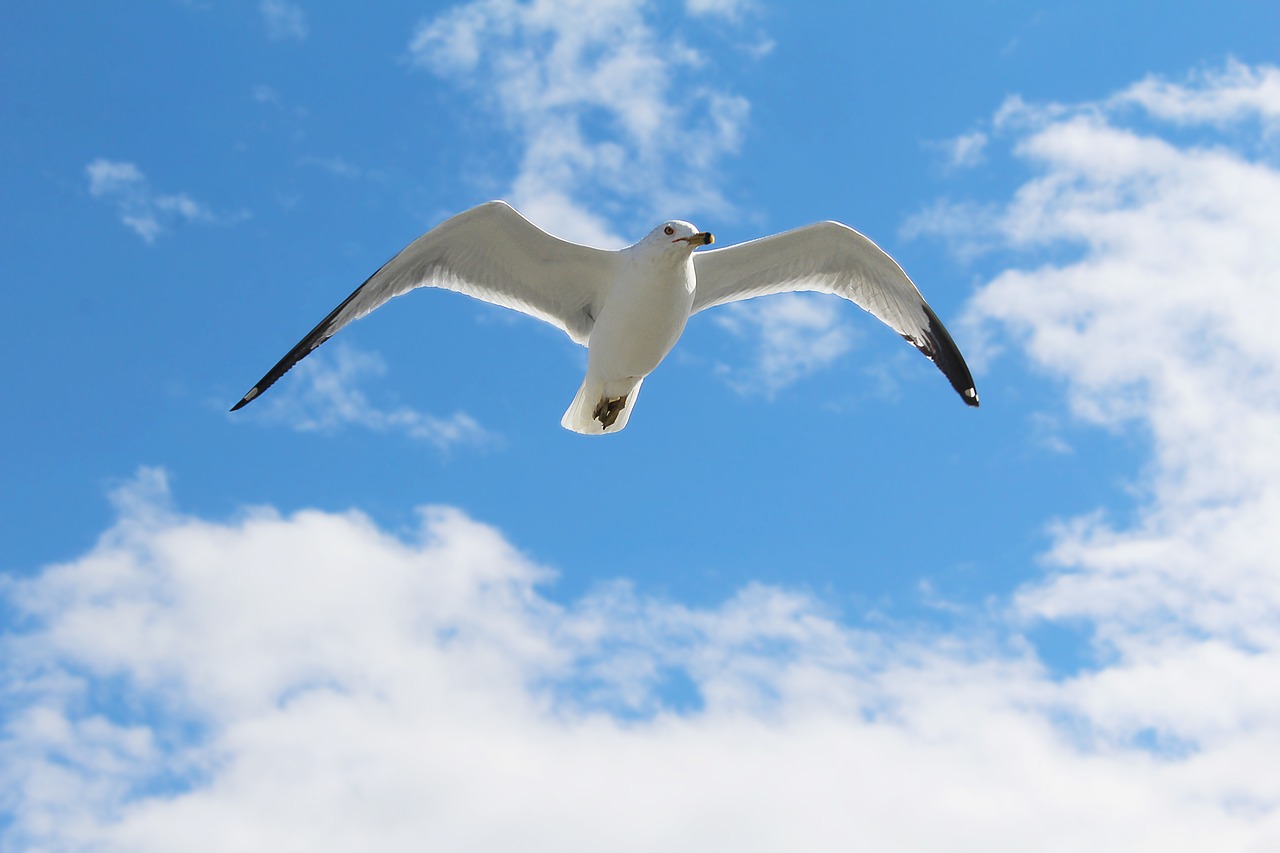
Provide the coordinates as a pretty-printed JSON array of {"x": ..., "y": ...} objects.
[{"x": 702, "y": 238}]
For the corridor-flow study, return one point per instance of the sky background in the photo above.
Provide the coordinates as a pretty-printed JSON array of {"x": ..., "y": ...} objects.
[{"x": 807, "y": 600}]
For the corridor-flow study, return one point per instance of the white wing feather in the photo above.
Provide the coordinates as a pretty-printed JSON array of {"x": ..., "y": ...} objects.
[
  {"x": 489, "y": 252},
  {"x": 829, "y": 257}
]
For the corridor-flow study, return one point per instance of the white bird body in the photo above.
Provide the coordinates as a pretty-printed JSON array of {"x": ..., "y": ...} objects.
[
  {"x": 630, "y": 307},
  {"x": 644, "y": 311}
]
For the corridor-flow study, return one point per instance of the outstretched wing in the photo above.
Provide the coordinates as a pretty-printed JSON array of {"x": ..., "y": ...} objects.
[
  {"x": 828, "y": 257},
  {"x": 490, "y": 252}
]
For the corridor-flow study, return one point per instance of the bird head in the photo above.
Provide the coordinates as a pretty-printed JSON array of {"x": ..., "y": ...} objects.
[{"x": 679, "y": 234}]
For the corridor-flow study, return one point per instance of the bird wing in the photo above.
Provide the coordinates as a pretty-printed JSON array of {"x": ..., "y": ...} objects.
[
  {"x": 829, "y": 257},
  {"x": 489, "y": 252}
]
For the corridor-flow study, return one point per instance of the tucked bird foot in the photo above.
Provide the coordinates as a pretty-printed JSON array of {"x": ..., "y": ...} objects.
[{"x": 607, "y": 410}]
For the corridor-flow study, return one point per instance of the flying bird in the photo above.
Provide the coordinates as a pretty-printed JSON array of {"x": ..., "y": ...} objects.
[{"x": 629, "y": 307}]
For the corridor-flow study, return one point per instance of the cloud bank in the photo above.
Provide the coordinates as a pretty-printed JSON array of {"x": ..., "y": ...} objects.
[
  {"x": 1161, "y": 327},
  {"x": 312, "y": 682}
]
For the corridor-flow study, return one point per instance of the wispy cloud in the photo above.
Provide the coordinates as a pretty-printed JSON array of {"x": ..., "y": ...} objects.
[
  {"x": 146, "y": 211},
  {"x": 324, "y": 394},
  {"x": 722, "y": 8},
  {"x": 791, "y": 335},
  {"x": 1233, "y": 93},
  {"x": 607, "y": 110},
  {"x": 340, "y": 167},
  {"x": 284, "y": 20},
  {"x": 966, "y": 150},
  {"x": 335, "y": 166}
]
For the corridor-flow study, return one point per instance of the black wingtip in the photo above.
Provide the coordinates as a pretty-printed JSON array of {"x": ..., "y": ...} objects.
[
  {"x": 321, "y": 333},
  {"x": 246, "y": 399},
  {"x": 942, "y": 350}
]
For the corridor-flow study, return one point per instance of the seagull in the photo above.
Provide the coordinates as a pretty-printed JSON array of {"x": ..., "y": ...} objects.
[{"x": 629, "y": 307}]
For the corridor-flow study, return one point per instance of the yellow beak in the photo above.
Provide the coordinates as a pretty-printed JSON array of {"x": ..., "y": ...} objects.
[{"x": 702, "y": 238}]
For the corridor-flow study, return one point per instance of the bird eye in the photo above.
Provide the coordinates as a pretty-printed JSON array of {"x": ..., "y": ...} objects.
[{"x": 668, "y": 230}]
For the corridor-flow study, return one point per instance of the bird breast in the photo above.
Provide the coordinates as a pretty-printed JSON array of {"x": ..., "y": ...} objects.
[{"x": 642, "y": 318}]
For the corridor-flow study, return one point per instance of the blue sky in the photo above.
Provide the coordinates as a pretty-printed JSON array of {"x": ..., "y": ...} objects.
[{"x": 807, "y": 599}]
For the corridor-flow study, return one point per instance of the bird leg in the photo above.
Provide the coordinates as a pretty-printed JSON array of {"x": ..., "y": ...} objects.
[{"x": 607, "y": 410}]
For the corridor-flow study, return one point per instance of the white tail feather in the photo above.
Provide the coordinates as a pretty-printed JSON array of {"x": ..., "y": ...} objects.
[{"x": 580, "y": 416}]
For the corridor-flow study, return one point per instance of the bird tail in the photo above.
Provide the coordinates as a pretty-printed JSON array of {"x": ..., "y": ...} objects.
[{"x": 590, "y": 399}]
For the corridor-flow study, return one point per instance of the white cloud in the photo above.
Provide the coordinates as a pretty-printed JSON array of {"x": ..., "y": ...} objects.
[
  {"x": 966, "y": 226},
  {"x": 1161, "y": 322},
  {"x": 107, "y": 177},
  {"x": 147, "y": 212},
  {"x": 1230, "y": 94},
  {"x": 284, "y": 20},
  {"x": 264, "y": 94},
  {"x": 323, "y": 394},
  {"x": 793, "y": 335},
  {"x": 723, "y": 8},
  {"x": 339, "y": 167},
  {"x": 966, "y": 150},
  {"x": 609, "y": 112},
  {"x": 313, "y": 682}
]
